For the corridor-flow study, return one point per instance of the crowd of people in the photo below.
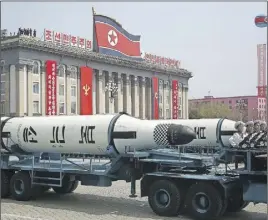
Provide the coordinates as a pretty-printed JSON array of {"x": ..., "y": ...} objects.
[
  {"x": 251, "y": 135},
  {"x": 23, "y": 31},
  {"x": 27, "y": 31}
]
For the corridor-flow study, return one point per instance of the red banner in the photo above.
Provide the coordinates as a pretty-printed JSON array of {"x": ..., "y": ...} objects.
[
  {"x": 261, "y": 53},
  {"x": 51, "y": 87},
  {"x": 86, "y": 78},
  {"x": 155, "y": 102},
  {"x": 175, "y": 102}
]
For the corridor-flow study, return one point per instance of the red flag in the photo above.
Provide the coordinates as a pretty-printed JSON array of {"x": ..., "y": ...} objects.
[
  {"x": 155, "y": 102},
  {"x": 86, "y": 78}
]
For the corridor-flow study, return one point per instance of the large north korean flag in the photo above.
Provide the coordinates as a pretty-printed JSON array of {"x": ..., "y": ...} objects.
[{"x": 112, "y": 39}]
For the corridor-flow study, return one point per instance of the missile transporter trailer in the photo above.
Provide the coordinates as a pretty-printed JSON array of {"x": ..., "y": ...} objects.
[{"x": 175, "y": 183}]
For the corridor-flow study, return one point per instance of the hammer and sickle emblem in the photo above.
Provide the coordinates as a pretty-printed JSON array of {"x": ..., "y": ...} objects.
[
  {"x": 86, "y": 88},
  {"x": 156, "y": 95}
]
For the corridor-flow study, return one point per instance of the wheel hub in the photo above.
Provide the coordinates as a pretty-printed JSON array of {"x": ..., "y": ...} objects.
[
  {"x": 19, "y": 186},
  {"x": 201, "y": 202},
  {"x": 162, "y": 198}
]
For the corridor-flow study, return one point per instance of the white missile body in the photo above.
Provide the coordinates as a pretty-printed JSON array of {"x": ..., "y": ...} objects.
[
  {"x": 209, "y": 132},
  {"x": 90, "y": 134}
]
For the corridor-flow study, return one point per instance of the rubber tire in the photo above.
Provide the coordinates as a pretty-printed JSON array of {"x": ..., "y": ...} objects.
[
  {"x": 173, "y": 209},
  {"x": 5, "y": 184},
  {"x": 64, "y": 189},
  {"x": 216, "y": 206},
  {"x": 74, "y": 186},
  {"x": 28, "y": 190}
]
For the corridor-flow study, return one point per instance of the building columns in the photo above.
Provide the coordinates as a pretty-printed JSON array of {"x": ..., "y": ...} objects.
[{"x": 128, "y": 94}]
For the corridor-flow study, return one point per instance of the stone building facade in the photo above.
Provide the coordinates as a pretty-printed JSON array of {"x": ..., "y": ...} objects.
[{"x": 23, "y": 86}]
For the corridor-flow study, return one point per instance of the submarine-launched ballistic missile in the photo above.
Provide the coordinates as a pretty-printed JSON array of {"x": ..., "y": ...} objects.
[
  {"x": 209, "y": 132},
  {"x": 90, "y": 134}
]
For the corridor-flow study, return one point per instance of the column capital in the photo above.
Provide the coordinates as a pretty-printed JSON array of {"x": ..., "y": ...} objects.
[
  {"x": 4, "y": 69},
  {"x": 20, "y": 67},
  {"x": 70, "y": 70},
  {"x": 42, "y": 69}
]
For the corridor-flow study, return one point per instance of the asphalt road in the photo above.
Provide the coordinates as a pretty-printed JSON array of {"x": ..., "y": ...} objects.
[{"x": 99, "y": 204}]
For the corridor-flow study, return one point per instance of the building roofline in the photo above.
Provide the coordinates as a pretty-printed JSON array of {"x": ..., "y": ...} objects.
[
  {"x": 231, "y": 97},
  {"x": 38, "y": 45}
]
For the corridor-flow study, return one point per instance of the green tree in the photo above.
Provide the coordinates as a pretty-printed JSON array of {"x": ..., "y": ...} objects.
[{"x": 210, "y": 110}]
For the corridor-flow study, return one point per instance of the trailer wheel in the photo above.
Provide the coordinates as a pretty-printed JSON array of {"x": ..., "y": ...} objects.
[
  {"x": 74, "y": 186},
  {"x": 65, "y": 188},
  {"x": 20, "y": 186},
  {"x": 164, "y": 198},
  {"x": 5, "y": 184},
  {"x": 204, "y": 201}
]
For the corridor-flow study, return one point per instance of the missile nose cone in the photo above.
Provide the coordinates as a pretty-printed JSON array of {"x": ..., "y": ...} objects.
[
  {"x": 179, "y": 134},
  {"x": 173, "y": 134}
]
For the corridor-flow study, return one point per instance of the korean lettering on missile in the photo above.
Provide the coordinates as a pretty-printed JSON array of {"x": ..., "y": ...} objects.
[
  {"x": 58, "y": 136},
  {"x": 29, "y": 135},
  {"x": 87, "y": 135},
  {"x": 200, "y": 132}
]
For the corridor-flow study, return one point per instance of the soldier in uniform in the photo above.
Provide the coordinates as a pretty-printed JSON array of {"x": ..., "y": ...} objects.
[
  {"x": 249, "y": 127},
  {"x": 263, "y": 126},
  {"x": 239, "y": 135},
  {"x": 257, "y": 126},
  {"x": 235, "y": 141}
]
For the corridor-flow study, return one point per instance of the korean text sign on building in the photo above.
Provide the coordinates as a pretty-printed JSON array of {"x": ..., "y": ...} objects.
[
  {"x": 162, "y": 60},
  {"x": 67, "y": 39},
  {"x": 51, "y": 87}
]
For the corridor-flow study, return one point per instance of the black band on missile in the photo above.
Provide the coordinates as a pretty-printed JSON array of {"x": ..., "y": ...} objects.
[
  {"x": 124, "y": 135},
  {"x": 227, "y": 133},
  {"x": 111, "y": 130},
  {"x": 4, "y": 134}
]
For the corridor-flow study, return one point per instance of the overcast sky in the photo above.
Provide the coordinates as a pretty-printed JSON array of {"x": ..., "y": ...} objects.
[{"x": 215, "y": 41}]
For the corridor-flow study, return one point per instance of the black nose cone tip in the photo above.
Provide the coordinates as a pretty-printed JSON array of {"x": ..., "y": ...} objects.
[{"x": 179, "y": 134}]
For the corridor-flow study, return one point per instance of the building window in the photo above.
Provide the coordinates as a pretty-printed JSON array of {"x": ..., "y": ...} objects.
[
  {"x": 167, "y": 114},
  {"x": 36, "y": 87},
  {"x": 36, "y": 107},
  {"x": 2, "y": 108},
  {"x": 230, "y": 101},
  {"x": 168, "y": 100},
  {"x": 180, "y": 114},
  {"x": 36, "y": 68},
  {"x": 3, "y": 85},
  {"x": 73, "y": 91},
  {"x": 61, "y": 71},
  {"x": 230, "y": 107},
  {"x": 160, "y": 98},
  {"x": 61, "y": 90},
  {"x": 62, "y": 108},
  {"x": 73, "y": 75},
  {"x": 160, "y": 113},
  {"x": 73, "y": 107}
]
